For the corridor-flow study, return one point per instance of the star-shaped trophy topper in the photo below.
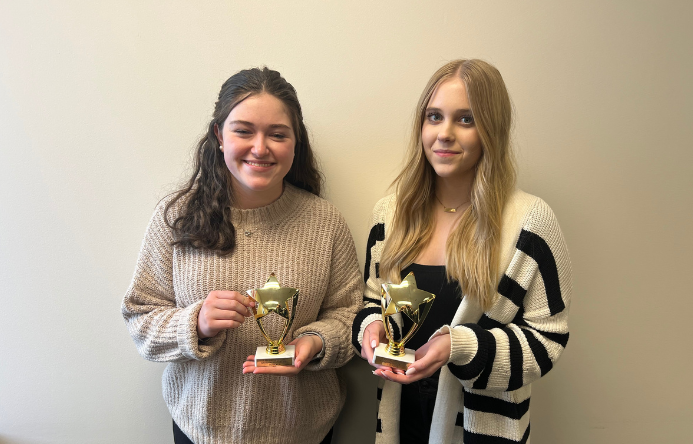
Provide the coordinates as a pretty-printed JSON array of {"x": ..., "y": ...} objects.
[
  {"x": 272, "y": 298},
  {"x": 408, "y": 299}
]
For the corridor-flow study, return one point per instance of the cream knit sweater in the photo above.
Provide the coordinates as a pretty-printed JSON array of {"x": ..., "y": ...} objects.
[{"x": 305, "y": 241}]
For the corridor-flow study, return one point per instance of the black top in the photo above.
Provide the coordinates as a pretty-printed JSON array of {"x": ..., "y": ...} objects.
[
  {"x": 419, "y": 398},
  {"x": 432, "y": 278}
]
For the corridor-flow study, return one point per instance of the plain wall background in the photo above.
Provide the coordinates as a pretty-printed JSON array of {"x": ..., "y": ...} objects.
[{"x": 101, "y": 103}]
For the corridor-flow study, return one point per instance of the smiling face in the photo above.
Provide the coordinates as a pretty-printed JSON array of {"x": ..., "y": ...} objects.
[
  {"x": 450, "y": 139},
  {"x": 258, "y": 142}
]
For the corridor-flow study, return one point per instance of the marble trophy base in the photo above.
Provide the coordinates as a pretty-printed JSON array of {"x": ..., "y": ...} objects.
[
  {"x": 382, "y": 357},
  {"x": 264, "y": 359}
]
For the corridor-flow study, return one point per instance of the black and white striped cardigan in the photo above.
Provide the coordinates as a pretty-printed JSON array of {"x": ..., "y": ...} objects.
[{"x": 483, "y": 391}]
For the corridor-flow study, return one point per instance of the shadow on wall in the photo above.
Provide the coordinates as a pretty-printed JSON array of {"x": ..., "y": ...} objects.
[{"x": 9, "y": 440}]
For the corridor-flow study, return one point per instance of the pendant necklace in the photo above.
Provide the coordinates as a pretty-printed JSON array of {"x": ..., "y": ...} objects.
[{"x": 450, "y": 209}]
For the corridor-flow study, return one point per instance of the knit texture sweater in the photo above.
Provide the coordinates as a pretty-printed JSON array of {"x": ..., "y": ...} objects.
[
  {"x": 484, "y": 390},
  {"x": 303, "y": 240}
]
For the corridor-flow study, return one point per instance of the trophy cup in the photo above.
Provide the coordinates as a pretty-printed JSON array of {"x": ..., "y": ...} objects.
[
  {"x": 414, "y": 303},
  {"x": 273, "y": 298}
]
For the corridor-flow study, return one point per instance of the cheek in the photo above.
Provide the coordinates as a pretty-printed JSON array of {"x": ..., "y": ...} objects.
[
  {"x": 428, "y": 136},
  {"x": 288, "y": 154},
  {"x": 472, "y": 142}
]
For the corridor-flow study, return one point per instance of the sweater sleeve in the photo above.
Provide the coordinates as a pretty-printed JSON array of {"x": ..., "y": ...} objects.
[
  {"x": 162, "y": 330},
  {"x": 524, "y": 333},
  {"x": 340, "y": 304},
  {"x": 371, "y": 297}
]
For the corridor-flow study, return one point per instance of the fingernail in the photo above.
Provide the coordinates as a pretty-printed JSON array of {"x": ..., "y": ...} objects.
[
  {"x": 410, "y": 371},
  {"x": 375, "y": 373},
  {"x": 374, "y": 343}
]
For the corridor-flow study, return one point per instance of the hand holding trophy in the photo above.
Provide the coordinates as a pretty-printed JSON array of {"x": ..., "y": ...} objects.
[{"x": 407, "y": 299}]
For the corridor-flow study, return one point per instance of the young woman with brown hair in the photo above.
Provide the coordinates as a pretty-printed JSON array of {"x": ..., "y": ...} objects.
[{"x": 250, "y": 208}]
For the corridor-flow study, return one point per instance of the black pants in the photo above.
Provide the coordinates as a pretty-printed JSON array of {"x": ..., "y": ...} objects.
[
  {"x": 416, "y": 410},
  {"x": 181, "y": 438}
]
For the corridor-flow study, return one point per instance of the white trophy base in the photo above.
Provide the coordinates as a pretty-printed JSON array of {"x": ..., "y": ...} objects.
[
  {"x": 382, "y": 357},
  {"x": 264, "y": 359}
]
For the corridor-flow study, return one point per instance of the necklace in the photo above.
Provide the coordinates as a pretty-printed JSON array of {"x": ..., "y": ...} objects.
[{"x": 450, "y": 209}]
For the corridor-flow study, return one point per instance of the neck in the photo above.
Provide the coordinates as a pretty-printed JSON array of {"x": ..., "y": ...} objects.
[
  {"x": 245, "y": 199},
  {"x": 454, "y": 191}
]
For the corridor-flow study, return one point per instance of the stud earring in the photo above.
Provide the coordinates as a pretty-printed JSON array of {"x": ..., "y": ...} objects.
[{"x": 221, "y": 148}]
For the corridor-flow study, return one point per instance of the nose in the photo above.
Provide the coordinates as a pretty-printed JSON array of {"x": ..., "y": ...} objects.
[
  {"x": 446, "y": 134},
  {"x": 260, "y": 149}
]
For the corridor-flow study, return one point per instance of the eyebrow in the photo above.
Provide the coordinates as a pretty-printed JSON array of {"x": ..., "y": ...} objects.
[
  {"x": 274, "y": 125},
  {"x": 463, "y": 110}
]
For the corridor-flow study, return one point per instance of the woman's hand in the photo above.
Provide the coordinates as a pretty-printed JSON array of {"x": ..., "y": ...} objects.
[
  {"x": 222, "y": 310},
  {"x": 373, "y": 335},
  {"x": 429, "y": 358},
  {"x": 306, "y": 348}
]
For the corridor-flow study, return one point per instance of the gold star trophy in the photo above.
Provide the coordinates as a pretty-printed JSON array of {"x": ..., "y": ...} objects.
[
  {"x": 273, "y": 298},
  {"x": 404, "y": 298}
]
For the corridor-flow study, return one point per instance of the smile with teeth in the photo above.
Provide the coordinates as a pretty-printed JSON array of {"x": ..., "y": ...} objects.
[{"x": 258, "y": 164}]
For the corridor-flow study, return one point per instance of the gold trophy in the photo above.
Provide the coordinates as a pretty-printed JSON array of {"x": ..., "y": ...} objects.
[
  {"x": 273, "y": 298},
  {"x": 414, "y": 303}
]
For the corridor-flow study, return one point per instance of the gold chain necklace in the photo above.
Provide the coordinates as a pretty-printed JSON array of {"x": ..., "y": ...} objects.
[{"x": 449, "y": 209}]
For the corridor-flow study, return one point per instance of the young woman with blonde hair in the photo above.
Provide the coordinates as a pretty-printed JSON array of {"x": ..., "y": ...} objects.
[{"x": 494, "y": 256}]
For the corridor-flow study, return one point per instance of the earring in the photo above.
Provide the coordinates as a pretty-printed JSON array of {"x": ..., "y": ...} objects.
[{"x": 221, "y": 148}]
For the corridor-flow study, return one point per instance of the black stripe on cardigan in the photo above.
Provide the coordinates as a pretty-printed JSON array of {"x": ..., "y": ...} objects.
[
  {"x": 511, "y": 290},
  {"x": 481, "y": 403},
  {"x": 488, "y": 323},
  {"x": 367, "y": 300},
  {"x": 537, "y": 248},
  {"x": 559, "y": 338},
  {"x": 482, "y": 380},
  {"x": 377, "y": 234},
  {"x": 486, "y": 342},
  {"x": 358, "y": 320},
  {"x": 474, "y": 438},
  {"x": 539, "y": 352},
  {"x": 515, "y": 381},
  {"x": 459, "y": 420}
]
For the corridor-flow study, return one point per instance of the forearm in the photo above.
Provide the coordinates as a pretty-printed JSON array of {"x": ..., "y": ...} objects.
[{"x": 167, "y": 333}]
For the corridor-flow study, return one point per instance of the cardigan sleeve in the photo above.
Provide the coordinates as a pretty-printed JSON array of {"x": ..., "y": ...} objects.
[
  {"x": 340, "y": 304},
  {"x": 162, "y": 331},
  {"x": 371, "y": 297},
  {"x": 524, "y": 333}
]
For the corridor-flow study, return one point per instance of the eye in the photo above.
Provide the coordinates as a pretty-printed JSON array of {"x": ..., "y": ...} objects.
[
  {"x": 434, "y": 116},
  {"x": 279, "y": 136},
  {"x": 467, "y": 120},
  {"x": 241, "y": 131}
]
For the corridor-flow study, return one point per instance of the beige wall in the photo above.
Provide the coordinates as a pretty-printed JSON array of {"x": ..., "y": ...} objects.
[{"x": 101, "y": 102}]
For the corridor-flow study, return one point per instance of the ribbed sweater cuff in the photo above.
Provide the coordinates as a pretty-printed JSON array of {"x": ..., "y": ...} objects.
[
  {"x": 463, "y": 343},
  {"x": 188, "y": 341},
  {"x": 333, "y": 345}
]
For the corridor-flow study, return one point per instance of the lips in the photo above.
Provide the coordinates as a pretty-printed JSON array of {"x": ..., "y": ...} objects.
[{"x": 446, "y": 153}]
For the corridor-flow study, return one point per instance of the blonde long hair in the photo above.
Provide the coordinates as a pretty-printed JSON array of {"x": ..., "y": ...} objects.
[{"x": 472, "y": 248}]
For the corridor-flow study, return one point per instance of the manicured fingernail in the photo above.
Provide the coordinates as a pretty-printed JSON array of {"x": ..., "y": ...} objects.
[
  {"x": 374, "y": 343},
  {"x": 375, "y": 373},
  {"x": 410, "y": 371}
]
